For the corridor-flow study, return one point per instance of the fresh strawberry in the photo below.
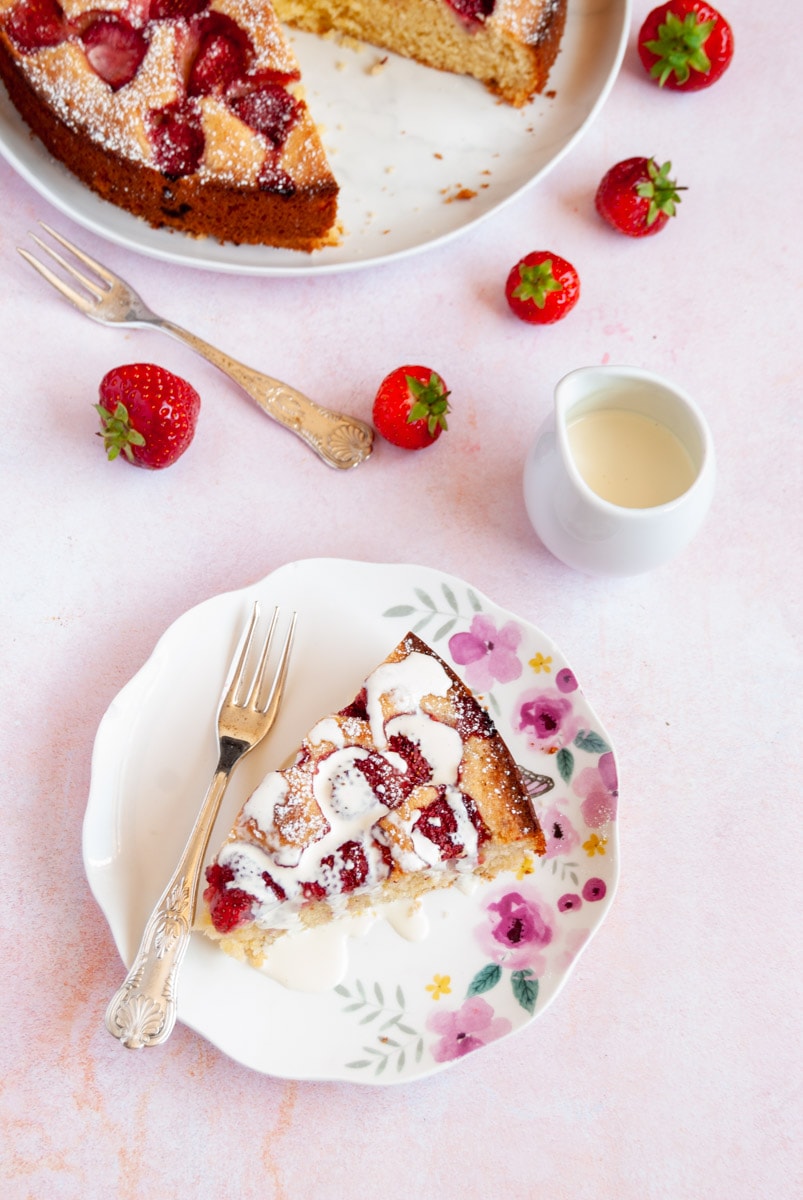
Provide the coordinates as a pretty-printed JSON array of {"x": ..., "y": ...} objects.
[
  {"x": 114, "y": 49},
  {"x": 637, "y": 197},
  {"x": 177, "y": 137},
  {"x": 147, "y": 413},
  {"x": 685, "y": 45},
  {"x": 542, "y": 288},
  {"x": 411, "y": 406}
]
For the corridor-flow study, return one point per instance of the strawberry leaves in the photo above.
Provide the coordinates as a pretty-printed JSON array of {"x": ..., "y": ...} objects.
[
  {"x": 431, "y": 403},
  {"x": 680, "y": 47},
  {"x": 660, "y": 191}
]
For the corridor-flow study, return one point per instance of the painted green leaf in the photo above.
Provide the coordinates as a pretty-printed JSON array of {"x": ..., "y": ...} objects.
[
  {"x": 399, "y": 610},
  {"x": 425, "y": 599},
  {"x": 485, "y": 979},
  {"x": 342, "y": 991},
  {"x": 400, "y": 997},
  {"x": 359, "y": 1064},
  {"x": 564, "y": 760},
  {"x": 405, "y": 1029},
  {"x": 401, "y": 1061},
  {"x": 592, "y": 742},
  {"x": 474, "y": 601},
  {"x": 450, "y": 597},
  {"x": 371, "y": 1016},
  {"x": 419, "y": 1050},
  {"x": 422, "y": 623},
  {"x": 525, "y": 988},
  {"x": 444, "y": 629},
  {"x": 379, "y": 994}
]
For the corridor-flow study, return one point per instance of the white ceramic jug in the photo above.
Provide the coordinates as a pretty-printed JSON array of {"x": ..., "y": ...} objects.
[{"x": 644, "y": 446}]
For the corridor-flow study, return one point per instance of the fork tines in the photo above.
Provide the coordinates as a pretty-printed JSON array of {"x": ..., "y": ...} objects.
[{"x": 90, "y": 285}]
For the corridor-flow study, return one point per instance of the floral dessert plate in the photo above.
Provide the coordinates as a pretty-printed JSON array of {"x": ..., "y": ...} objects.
[
  {"x": 420, "y": 156},
  {"x": 480, "y": 964}
]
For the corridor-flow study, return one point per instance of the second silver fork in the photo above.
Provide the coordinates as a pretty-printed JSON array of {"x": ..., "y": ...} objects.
[
  {"x": 341, "y": 441},
  {"x": 143, "y": 1010}
]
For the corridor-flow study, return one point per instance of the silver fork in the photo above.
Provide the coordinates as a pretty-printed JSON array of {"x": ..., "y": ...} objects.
[
  {"x": 143, "y": 1010},
  {"x": 341, "y": 441}
]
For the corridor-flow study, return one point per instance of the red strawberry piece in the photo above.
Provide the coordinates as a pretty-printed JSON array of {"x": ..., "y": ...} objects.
[
  {"x": 33, "y": 24},
  {"x": 177, "y": 138},
  {"x": 223, "y": 54},
  {"x": 685, "y": 46},
  {"x": 147, "y": 413},
  {"x": 542, "y": 288},
  {"x": 350, "y": 857},
  {"x": 438, "y": 823},
  {"x": 114, "y": 49},
  {"x": 473, "y": 11},
  {"x": 269, "y": 110},
  {"x": 637, "y": 197},
  {"x": 410, "y": 407},
  {"x": 167, "y": 10},
  {"x": 357, "y": 708},
  {"x": 273, "y": 177},
  {"x": 228, "y": 907},
  {"x": 313, "y": 890},
  {"x": 419, "y": 770},
  {"x": 390, "y": 786}
]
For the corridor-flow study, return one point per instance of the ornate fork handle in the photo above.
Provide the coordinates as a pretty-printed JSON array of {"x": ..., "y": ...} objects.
[
  {"x": 143, "y": 1010},
  {"x": 341, "y": 441}
]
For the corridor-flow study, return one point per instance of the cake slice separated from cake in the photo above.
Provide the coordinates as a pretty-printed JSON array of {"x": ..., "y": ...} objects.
[
  {"x": 408, "y": 788},
  {"x": 509, "y": 45}
]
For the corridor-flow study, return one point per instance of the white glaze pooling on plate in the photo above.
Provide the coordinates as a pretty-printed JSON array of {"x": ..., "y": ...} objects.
[
  {"x": 403, "y": 142},
  {"x": 144, "y": 796}
]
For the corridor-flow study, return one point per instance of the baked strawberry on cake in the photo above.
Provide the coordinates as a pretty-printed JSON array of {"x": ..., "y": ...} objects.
[
  {"x": 409, "y": 788},
  {"x": 184, "y": 112}
]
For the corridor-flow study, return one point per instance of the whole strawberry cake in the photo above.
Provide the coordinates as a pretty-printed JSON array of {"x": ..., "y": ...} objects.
[
  {"x": 408, "y": 788},
  {"x": 189, "y": 113}
]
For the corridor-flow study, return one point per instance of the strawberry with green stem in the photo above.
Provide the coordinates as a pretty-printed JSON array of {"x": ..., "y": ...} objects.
[
  {"x": 637, "y": 197},
  {"x": 542, "y": 288},
  {"x": 685, "y": 45},
  {"x": 410, "y": 407},
  {"x": 147, "y": 414}
]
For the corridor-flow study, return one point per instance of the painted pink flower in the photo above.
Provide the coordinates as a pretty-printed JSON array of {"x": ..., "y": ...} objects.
[
  {"x": 517, "y": 931},
  {"x": 547, "y": 718},
  {"x": 472, "y": 1026},
  {"x": 561, "y": 836},
  {"x": 598, "y": 788},
  {"x": 487, "y": 653}
]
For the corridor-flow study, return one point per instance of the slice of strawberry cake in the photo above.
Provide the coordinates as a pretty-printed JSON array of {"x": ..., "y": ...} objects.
[{"x": 408, "y": 788}]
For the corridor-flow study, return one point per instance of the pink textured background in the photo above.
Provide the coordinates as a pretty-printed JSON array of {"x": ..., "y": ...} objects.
[{"x": 670, "y": 1065}]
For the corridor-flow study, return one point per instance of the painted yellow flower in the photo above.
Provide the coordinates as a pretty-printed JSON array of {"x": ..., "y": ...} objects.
[
  {"x": 595, "y": 845},
  {"x": 440, "y": 986},
  {"x": 539, "y": 663},
  {"x": 526, "y": 867}
]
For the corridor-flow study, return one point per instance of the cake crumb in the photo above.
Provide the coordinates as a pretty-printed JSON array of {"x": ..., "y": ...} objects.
[{"x": 377, "y": 66}]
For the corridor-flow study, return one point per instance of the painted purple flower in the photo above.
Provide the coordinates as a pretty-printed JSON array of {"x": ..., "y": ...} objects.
[
  {"x": 472, "y": 1026},
  {"x": 598, "y": 788},
  {"x": 561, "y": 836},
  {"x": 547, "y": 719},
  {"x": 517, "y": 931},
  {"x": 594, "y": 889},
  {"x": 487, "y": 653},
  {"x": 565, "y": 681},
  {"x": 569, "y": 902}
]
